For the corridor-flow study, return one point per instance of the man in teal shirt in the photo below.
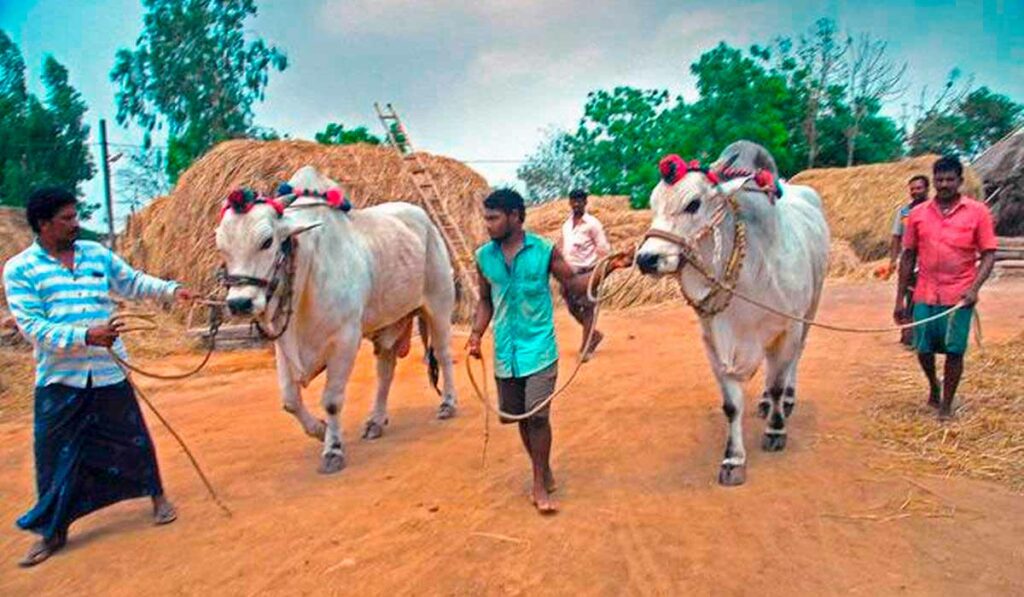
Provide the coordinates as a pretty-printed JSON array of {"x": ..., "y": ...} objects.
[{"x": 513, "y": 271}]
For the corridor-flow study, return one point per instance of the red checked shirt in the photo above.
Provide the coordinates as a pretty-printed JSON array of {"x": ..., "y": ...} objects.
[{"x": 948, "y": 247}]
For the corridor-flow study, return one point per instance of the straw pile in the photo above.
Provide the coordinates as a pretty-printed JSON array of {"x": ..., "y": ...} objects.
[
  {"x": 174, "y": 236},
  {"x": 984, "y": 441},
  {"x": 861, "y": 202}
]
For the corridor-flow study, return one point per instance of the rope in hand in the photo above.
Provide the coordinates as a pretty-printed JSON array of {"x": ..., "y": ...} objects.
[{"x": 129, "y": 322}]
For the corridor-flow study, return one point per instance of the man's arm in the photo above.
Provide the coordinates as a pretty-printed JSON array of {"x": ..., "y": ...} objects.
[
  {"x": 133, "y": 284},
  {"x": 482, "y": 316},
  {"x": 30, "y": 314},
  {"x": 601, "y": 239},
  {"x": 565, "y": 275},
  {"x": 988, "y": 260},
  {"x": 907, "y": 262}
]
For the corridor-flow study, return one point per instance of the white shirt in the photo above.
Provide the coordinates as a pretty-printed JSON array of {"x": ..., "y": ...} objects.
[{"x": 585, "y": 243}]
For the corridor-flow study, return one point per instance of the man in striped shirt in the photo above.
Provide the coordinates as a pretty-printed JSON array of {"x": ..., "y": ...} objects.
[{"x": 92, "y": 447}]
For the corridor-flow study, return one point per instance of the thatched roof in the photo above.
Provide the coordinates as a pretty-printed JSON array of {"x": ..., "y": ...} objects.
[
  {"x": 15, "y": 235},
  {"x": 1002, "y": 169},
  {"x": 174, "y": 236},
  {"x": 861, "y": 202}
]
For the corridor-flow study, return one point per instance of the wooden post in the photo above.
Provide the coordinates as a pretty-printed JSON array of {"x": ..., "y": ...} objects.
[{"x": 105, "y": 157}]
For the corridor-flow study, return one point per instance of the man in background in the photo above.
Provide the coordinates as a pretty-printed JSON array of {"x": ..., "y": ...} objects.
[{"x": 584, "y": 243}]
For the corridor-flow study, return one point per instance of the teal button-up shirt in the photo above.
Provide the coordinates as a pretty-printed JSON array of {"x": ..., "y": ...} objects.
[{"x": 524, "y": 325}]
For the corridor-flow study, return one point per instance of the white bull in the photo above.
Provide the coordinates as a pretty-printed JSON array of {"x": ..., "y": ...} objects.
[
  {"x": 358, "y": 274},
  {"x": 784, "y": 265}
]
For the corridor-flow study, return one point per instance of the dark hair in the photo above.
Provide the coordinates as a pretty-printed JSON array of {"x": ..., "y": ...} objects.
[
  {"x": 577, "y": 194},
  {"x": 920, "y": 177},
  {"x": 948, "y": 163},
  {"x": 44, "y": 203},
  {"x": 508, "y": 201}
]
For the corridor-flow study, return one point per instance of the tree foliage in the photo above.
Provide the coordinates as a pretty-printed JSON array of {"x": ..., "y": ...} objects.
[
  {"x": 336, "y": 134},
  {"x": 195, "y": 70},
  {"x": 42, "y": 142}
]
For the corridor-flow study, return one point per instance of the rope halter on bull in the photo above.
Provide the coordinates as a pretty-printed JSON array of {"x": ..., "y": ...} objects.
[
  {"x": 673, "y": 169},
  {"x": 723, "y": 288},
  {"x": 282, "y": 272}
]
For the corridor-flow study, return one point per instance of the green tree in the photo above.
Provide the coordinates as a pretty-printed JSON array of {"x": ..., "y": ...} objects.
[
  {"x": 43, "y": 142},
  {"x": 194, "y": 69},
  {"x": 336, "y": 134},
  {"x": 976, "y": 121},
  {"x": 620, "y": 138}
]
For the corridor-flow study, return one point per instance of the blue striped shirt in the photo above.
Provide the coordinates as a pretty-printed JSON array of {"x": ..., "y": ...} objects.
[{"x": 54, "y": 306}]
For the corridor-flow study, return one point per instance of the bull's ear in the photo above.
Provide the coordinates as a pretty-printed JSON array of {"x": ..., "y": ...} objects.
[
  {"x": 290, "y": 229},
  {"x": 730, "y": 187}
]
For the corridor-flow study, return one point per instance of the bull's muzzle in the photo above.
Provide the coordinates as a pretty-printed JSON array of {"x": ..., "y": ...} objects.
[
  {"x": 647, "y": 262},
  {"x": 240, "y": 306}
]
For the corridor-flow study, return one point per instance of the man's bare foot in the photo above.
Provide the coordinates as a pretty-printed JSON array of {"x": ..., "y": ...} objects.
[
  {"x": 163, "y": 511},
  {"x": 933, "y": 398},
  {"x": 44, "y": 548},
  {"x": 542, "y": 501}
]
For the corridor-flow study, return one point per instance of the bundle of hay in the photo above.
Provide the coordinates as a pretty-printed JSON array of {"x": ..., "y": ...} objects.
[
  {"x": 861, "y": 202},
  {"x": 174, "y": 236}
]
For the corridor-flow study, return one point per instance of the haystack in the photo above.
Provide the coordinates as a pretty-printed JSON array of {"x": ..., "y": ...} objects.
[
  {"x": 860, "y": 202},
  {"x": 15, "y": 235},
  {"x": 1001, "y": 167},
  {"x": 174, "y": 236}
]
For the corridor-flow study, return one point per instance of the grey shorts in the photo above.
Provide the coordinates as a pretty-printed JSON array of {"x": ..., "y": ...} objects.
[{"x": 517, "y": 395}]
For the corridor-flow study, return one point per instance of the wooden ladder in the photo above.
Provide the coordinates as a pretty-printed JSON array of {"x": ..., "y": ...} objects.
[{"x": 459, "y": 249}]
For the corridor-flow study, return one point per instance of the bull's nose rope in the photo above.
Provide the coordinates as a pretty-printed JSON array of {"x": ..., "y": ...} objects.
[{"x": 129, "y": 322}]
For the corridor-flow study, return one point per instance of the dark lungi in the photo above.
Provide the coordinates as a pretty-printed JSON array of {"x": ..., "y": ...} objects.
[{"x": 92, "y": 449}]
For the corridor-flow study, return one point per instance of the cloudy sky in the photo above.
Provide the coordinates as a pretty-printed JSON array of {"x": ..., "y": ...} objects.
[{"x": 480, "y": 80}]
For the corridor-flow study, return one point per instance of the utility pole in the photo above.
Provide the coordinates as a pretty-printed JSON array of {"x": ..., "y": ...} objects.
[{"x": 105, "y": 158}]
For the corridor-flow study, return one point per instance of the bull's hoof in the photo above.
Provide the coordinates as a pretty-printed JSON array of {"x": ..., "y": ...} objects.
[
  {"x": 787, "y": 408},
  {"x": 331, "y": 463},
  {"x": 373, "y": 430},
  {"x": 445, "y": 411},
  {"x": 731, "y": 475},
  {"x": 319, "y": 430},
  {"x": 763, "y": 408},
  {"x": 773, "y": 443}
]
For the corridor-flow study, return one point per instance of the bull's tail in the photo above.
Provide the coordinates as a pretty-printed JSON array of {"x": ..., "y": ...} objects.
[{"x": 433, "y": 368}]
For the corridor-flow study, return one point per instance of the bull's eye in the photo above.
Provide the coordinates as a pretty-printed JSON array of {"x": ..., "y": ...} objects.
[
  {"x": 692, "y": 206},
  {"x": 266, "y": 244}
]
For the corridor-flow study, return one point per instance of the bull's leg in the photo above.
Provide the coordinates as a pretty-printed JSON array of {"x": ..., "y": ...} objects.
[
  {"x": 777, "y": 374},
  {"x": 789, "y": 390},
  {"x": 291, "y": 397},
  {"x": 734, "y": 463},
  {"x": 441, "y": 342},
  {"x": 339, "y": 366},
  {"x": 378, "y": 418}
]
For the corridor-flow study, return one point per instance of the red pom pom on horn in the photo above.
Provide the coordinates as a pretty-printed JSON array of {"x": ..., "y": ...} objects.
[
  {"x": 764, "y": 179},
  {"x": 672, "y": 168},
  {"x": 334, "y": 197}
]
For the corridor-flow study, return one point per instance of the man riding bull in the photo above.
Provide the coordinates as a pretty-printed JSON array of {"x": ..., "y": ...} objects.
[
  {"x": 513, "y": 272},
  {"x": 945, "y": 238},
  {"x": 92, "y": 448}
]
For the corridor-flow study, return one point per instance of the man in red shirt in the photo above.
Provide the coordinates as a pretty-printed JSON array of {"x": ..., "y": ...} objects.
[{"x": 945, "y": 237}]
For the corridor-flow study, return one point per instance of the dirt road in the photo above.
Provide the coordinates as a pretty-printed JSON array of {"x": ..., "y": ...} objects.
[{"x": 637, "y": 445}]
